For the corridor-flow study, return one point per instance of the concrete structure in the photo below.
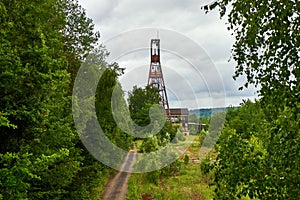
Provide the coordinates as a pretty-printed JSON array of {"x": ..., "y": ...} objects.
[{"x": 180, "y": 116}]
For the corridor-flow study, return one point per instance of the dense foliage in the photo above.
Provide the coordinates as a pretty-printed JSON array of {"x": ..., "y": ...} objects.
[
  {"x": 158, "y": 136},
  {"x": 108, "y": 92},
  {"x": 141, "y": 101},
  {"x": 259, "y": 149},
  {"x": 42, "y": 45}
]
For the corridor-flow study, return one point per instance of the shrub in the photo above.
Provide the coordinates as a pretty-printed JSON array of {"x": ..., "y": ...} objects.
[{"x": 186, "y": 159}]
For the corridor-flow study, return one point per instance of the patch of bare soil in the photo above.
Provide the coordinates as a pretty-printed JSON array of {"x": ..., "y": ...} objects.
[{"x": 147, "y": 196}]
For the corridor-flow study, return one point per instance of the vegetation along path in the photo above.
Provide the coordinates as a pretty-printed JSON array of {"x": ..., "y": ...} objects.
[{"x": 117, "y": 187}]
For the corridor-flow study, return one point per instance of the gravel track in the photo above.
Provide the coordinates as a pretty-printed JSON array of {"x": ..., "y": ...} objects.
[{"x": 117, "y": 187}]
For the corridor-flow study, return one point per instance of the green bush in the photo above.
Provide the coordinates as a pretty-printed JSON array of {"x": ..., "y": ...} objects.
[
  {"x": 205, "y": 165},
  {"x": 186, "y": 159}
]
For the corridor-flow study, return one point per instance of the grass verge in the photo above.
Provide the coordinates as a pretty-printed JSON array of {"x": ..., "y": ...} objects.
[{"x": 190, "y": 183}]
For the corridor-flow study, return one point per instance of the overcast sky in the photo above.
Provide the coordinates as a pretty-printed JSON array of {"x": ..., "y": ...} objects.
[{"x": 195, "y": 48}]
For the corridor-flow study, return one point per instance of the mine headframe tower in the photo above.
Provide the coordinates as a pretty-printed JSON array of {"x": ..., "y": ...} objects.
[{"x": 156, "y": 78}]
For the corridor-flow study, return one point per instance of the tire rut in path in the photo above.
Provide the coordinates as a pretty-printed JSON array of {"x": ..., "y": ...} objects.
[{"x": 118, "y": 186}]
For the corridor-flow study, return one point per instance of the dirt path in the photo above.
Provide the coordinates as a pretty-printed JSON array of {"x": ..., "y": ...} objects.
[{"x": 117, "y": 187}]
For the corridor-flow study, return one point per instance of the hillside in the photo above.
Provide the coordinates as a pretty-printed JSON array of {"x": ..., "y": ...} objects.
[{"x": 207, "y": 112}]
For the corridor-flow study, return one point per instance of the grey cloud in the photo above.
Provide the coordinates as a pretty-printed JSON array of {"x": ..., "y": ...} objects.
[
  {"x": 193, "y": 75},
  {"x": 99, "y": 10}
]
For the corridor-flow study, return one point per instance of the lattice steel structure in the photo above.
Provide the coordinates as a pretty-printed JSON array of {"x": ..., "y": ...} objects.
[{"x": 156, "y": 78}]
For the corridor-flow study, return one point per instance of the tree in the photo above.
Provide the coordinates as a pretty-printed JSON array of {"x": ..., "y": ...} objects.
[
  {"x": 214, "y": 131},
  {"x": 140, "y": 101},
  {"x": 266, "y": 47},
  {"x": 41, "y": 154},
  {"x": 34, "y": 82},
  {"x": 106, "y": 85},
  {"x": 193, "y": 118},
  {"x": 78, "y": 34},
  {"x": 266, "y": 50},
  {"x": 241, "y": 153}
]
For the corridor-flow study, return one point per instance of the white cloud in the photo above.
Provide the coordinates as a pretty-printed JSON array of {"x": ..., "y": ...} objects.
[{"x": 187, "y": 35}]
